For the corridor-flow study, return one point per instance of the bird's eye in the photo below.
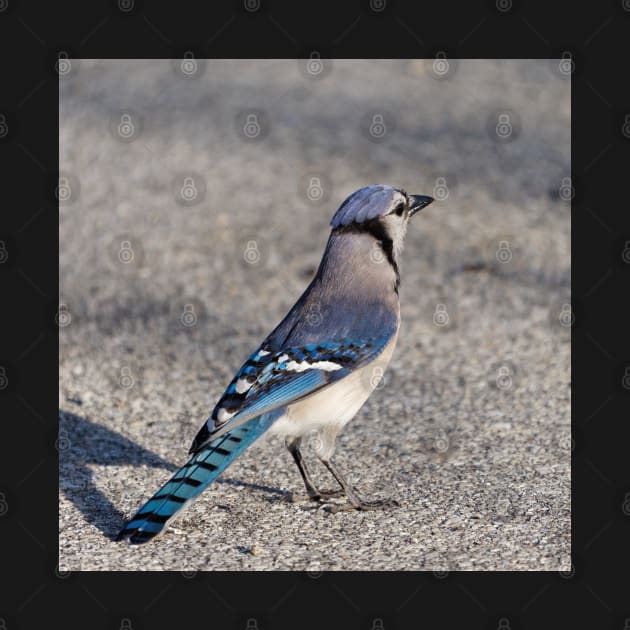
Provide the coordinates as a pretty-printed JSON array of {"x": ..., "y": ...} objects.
[{"x": 400, "y": 208}]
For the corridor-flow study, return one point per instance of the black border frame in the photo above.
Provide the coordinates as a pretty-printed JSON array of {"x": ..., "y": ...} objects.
[{"x": 594, "y": 594}]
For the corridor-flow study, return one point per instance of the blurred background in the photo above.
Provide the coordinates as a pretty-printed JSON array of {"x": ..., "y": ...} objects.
[{"x": 195, "y": 199}]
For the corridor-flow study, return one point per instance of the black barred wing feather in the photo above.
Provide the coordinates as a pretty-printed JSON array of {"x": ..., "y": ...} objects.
[{"x": 268, "y": 381}]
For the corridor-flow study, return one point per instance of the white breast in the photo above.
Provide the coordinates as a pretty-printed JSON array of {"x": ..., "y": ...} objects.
[{"x": 334, "y": 406}]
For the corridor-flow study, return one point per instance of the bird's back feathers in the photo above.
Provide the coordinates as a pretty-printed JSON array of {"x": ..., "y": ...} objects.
[{"x": 285, "y": 377}]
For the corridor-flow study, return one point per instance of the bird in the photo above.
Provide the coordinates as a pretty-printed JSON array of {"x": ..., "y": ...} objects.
[{"x": 316, "y": 369}]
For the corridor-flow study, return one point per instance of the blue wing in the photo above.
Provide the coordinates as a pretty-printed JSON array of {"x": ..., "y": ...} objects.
[{"x": 270, "y": 380}]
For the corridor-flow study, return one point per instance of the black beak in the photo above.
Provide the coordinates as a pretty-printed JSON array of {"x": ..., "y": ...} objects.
[{"x": 417, "y": 202}]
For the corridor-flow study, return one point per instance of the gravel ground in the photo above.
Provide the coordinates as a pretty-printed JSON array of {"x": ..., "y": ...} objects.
[{"x": 167, "y": 291}]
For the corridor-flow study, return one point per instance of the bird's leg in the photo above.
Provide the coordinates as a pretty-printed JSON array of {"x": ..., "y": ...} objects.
[
  {"x": 355, "y": 502},
  {"x": 314, "y": 494}
]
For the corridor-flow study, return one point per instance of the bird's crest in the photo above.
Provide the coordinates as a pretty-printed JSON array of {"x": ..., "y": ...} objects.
[{"x": 368, "y": 203}]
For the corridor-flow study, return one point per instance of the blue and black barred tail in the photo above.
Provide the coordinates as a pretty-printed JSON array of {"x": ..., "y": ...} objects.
[{"x": 192, "y": 479}]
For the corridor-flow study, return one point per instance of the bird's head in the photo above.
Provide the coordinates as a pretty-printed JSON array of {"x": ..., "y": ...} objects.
[{"x": 381, "y": 211}]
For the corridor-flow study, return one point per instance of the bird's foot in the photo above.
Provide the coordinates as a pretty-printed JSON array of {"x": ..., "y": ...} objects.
[
  {"x": 318, "y": 495},
  {"x": 362, "y": 505}
]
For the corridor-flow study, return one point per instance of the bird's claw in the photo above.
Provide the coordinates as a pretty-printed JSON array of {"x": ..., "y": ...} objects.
[
  {"x": 320, "y": 496},
  {"x": 362, "y": 505}
]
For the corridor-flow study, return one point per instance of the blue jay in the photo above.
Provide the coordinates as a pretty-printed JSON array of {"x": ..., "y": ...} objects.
[{"x": 316, "y": 368}]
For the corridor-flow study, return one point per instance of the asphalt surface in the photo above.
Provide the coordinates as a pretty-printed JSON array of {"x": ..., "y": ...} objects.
[{"x": 167, "y": 291}]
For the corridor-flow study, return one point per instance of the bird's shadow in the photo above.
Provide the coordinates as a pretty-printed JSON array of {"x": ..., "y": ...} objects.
[{"x": 83, "y": 443}]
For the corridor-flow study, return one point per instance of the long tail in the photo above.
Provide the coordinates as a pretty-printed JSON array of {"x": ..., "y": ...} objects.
[{"x": 192, "y": 479}]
